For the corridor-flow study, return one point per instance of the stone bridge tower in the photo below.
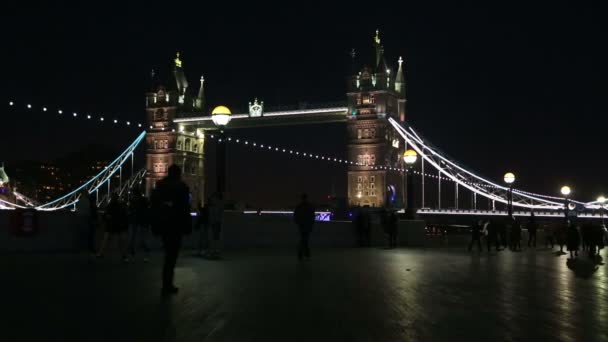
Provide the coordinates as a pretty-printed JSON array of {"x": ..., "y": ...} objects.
[
  {"x": 375, "y": 94},
  {"x": 168, "y": 143}
]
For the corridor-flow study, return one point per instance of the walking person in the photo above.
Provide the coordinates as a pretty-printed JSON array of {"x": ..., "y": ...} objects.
[
  {"x": 561, "y": 234},
  {"x": 86, "y": 210},
  {"x": 392, "y": 223},
  {"x": 492, "y": 235},
  {"x": 549, "y": 236},
  {"x": 116, "y": 221},
  {"x": 573, "y": 239},
  {"x": 476, "y": 235},
  {"x": 304, "y": 216},
  {"x": 216, "y": 218},
  {"x": 171, "y": 209},
  {"x": 139, "y": 216},
  {"x": 202, "y": 223},
  {"x": 532, "y": 228}
]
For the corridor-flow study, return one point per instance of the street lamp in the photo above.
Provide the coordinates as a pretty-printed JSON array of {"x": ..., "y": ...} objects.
[
  {"x": 510, "y": 179},
  {"x": 221, "y": 117},
  {"x": 566, "y": 192},
  {"x": 601, "y": 201},
  {"x": 409, "y": 157}
]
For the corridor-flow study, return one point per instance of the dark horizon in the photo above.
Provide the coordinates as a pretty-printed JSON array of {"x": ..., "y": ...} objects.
[{"x": 497, "y": 88}]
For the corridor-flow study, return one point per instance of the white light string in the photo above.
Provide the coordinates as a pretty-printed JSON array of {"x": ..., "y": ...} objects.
[
  {"x": 62, "y": 112},
  {"x": 308, "y": 155}
]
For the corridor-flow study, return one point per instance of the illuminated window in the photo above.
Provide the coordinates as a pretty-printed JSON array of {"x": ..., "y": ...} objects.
[
  {"x": 372, "y": 159},
  {"x": 366, "y": 133},
  {"x": 359, "y": 133},
  {"x": 155, "y": 144},
  {"x": 160, "y": 167},
  {"x": 187, "y": 145},
  {"x": 166, "y": 143}
]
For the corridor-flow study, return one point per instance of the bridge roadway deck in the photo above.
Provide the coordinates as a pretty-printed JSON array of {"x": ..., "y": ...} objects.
[{"x": 339, "y": 295}]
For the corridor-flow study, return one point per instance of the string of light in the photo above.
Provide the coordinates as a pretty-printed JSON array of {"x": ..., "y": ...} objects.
[
  {"x": 62, "y": 112},
  {"x": 308, "y": 155}
]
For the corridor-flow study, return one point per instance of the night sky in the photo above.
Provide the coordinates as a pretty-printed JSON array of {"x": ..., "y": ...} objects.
[{"x": 517, "y": 87}]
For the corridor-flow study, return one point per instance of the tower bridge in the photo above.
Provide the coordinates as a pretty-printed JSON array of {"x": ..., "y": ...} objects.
[{"x": 178, "y": 126}]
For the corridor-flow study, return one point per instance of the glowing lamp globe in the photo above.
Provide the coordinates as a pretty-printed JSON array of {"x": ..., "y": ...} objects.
[
  {"x": 566, "y": 190},
  {"x": 600, "y": 200},
  {"x": 410, "y": 157},
  {"x": 509, "y": 178},
  {"x": 571, "y": 206},
  {"x": 221, "y": 116}
]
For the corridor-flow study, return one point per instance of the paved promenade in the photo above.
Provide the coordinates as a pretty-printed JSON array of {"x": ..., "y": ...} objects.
[{"x": 339, "y": 295}]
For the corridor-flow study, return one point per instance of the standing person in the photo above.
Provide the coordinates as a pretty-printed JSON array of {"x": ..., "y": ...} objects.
[
  {"x": 549, "y": 236},
  {"x": 561, "y": 234},
  {"x": 367, "y": 227},
  {"x": 476, "y": 235},
  {"x": 171, "y": 211},
  {"x": 492, "y": 237},
  {"x": 202, "y": 223},
  {"x": 116, "y": 221},
  {"x": 392, "y": 223},
  {"x": 216, "y": 217},
  {"x": 573, "y": 239},
  {"x": 516, "y": 230},
  {"x": 86, "y": 210},
  {"x": 532, "y": 228},
  {"x": 139, "y": 212},
  {"x": 304, "y": 216}
]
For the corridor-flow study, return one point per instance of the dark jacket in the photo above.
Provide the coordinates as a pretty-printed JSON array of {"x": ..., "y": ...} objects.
[
  {"x": 170, "y": 207},
  {"x": 304, "y": 215}
]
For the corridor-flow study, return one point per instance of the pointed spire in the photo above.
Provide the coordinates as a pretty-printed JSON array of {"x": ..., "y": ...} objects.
[
  {"x": 180, "y": 79},
  {"x": 379, "y": 47},
  {"x": 399, "y": 79},
  {"x": 178, "y": 62},
  {"x": 200, "y": 98}
]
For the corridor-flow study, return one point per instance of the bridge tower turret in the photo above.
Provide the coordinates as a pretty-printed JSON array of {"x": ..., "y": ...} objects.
[
  {"x": 169, "y": 143},
  {"x": 375, "y": 94},
  {"x": 161, "y": 106}
]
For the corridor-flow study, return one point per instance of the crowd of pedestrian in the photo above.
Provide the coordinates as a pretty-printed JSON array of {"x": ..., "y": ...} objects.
[{"x": 507, "y": 234}]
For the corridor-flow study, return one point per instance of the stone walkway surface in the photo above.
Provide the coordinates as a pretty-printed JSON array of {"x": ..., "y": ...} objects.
[{"x": 339, "y": 295}]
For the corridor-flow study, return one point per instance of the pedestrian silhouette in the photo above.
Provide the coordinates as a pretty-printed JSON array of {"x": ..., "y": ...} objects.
[
  {"x": 532, "y": 228},
  {"x": 86, "y": 210},
  {"x": 216, "y": 218},
  {"x": 202, "y": 223},
  {"x": 304, "y": 216},
  {"x": 573, "y": 239},
  {"x": 476, "y": 235},
  {"x": 171, "y": 208},
  {"x": 116, "y": 221},
  {"x": 140, "y": 223}
]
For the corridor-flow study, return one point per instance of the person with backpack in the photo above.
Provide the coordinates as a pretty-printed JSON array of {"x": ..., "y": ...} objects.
[{"x": 171, "y": 210}]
